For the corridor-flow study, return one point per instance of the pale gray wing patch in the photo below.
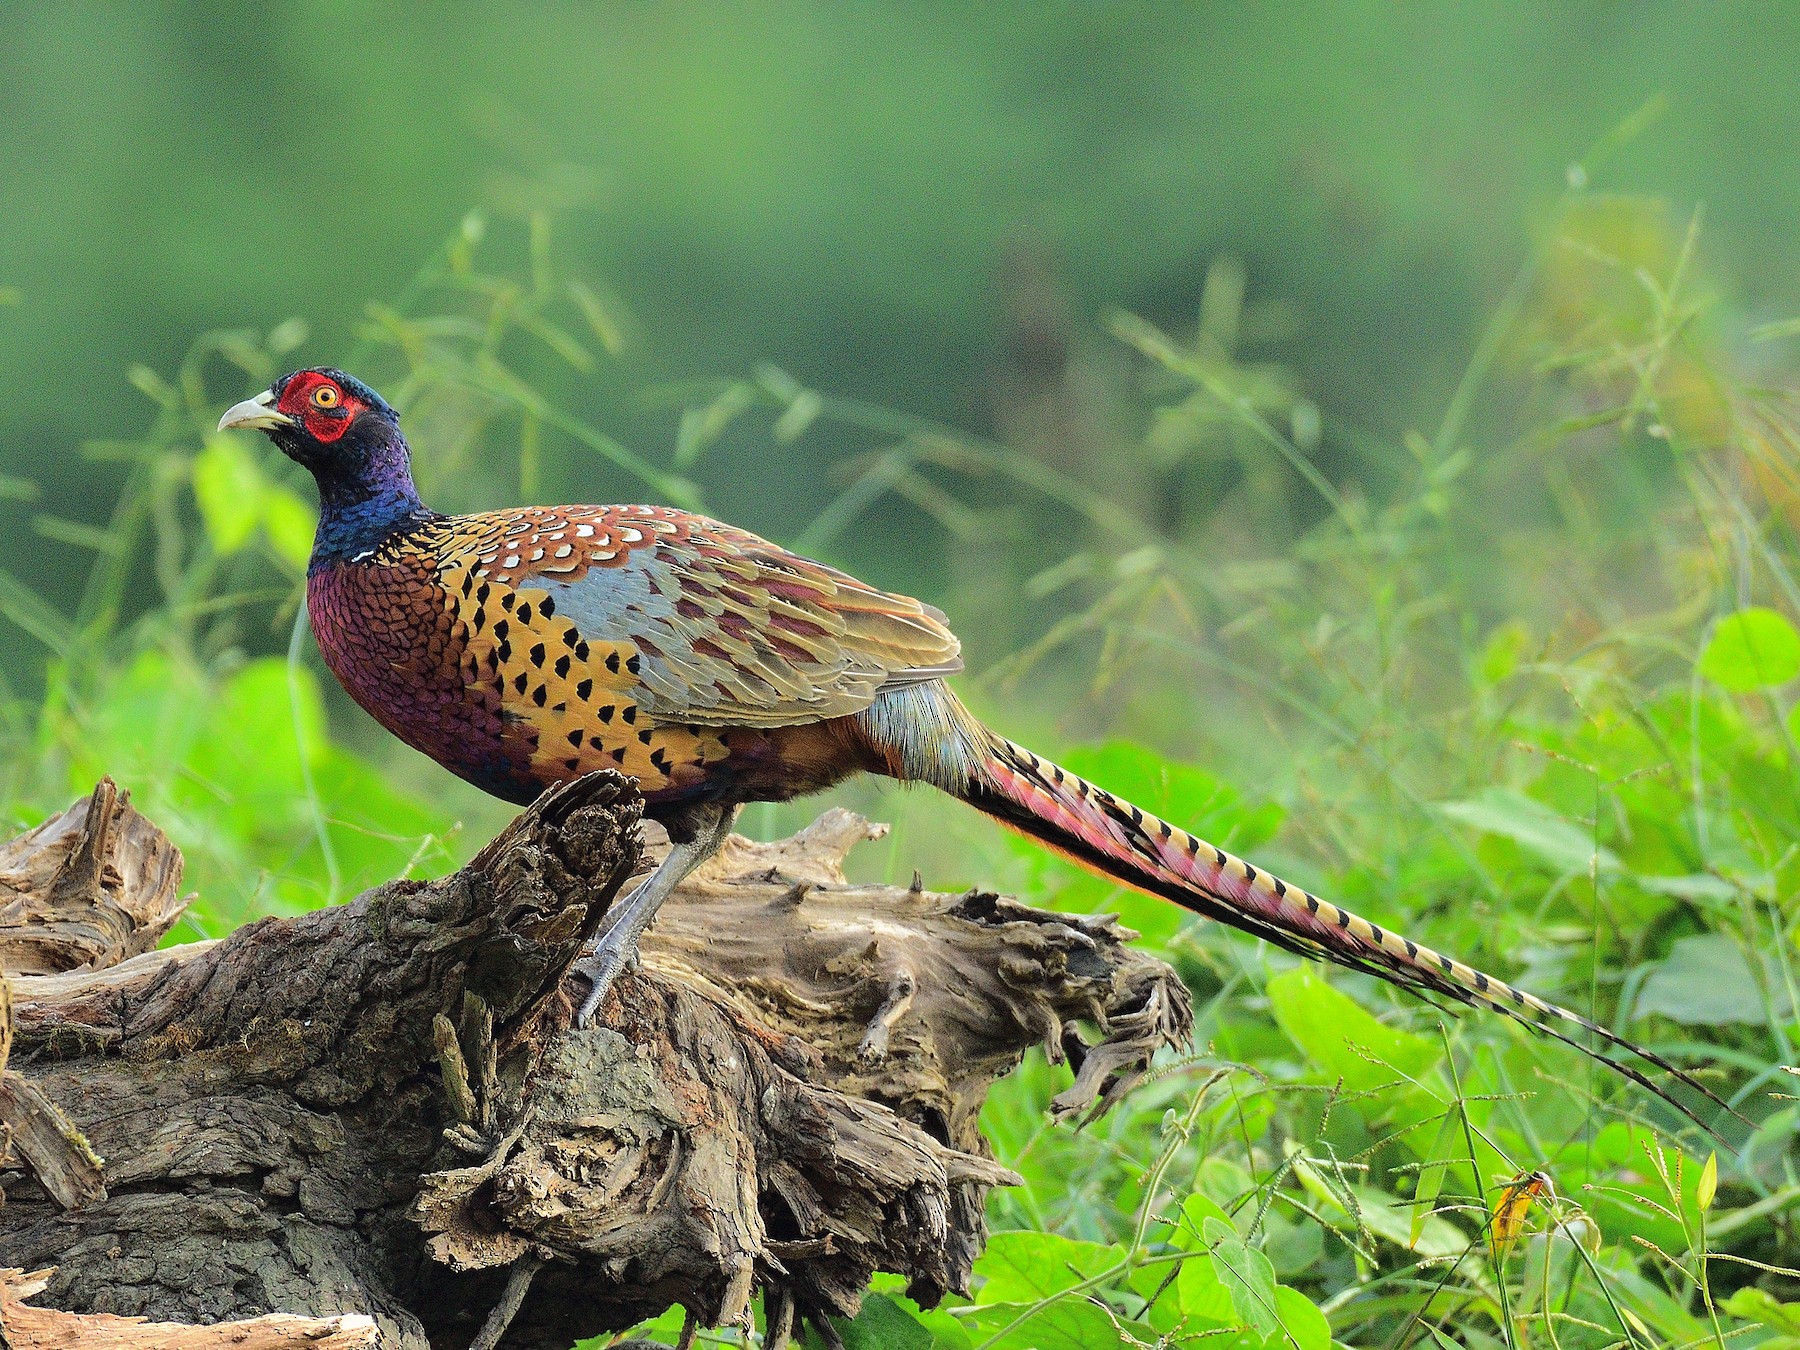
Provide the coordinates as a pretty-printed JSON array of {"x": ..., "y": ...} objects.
[{"x": 705, "y": 657}]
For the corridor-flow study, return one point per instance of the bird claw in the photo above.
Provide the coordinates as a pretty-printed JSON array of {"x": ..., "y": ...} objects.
[
  {"x": 616, "y": 945},
  {"x": 601, "y": 965}
]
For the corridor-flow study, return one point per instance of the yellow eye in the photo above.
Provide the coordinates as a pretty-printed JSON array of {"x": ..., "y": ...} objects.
[{"x": 325, "y": 397}]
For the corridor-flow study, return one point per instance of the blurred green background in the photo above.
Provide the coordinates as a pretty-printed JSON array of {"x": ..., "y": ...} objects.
[
  {"x": 1362, "y": 433},
  {"x": 910, "y": 204}
]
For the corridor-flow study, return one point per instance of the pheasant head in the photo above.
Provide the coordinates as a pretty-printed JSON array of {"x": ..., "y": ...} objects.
[{"x": 345, "y": 435}]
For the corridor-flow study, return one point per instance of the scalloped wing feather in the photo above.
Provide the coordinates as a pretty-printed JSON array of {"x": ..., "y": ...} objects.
[{"x": 728, "y": 628}]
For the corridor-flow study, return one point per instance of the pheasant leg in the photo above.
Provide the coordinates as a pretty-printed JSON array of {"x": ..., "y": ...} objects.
[{"x": 615, "y": 945}]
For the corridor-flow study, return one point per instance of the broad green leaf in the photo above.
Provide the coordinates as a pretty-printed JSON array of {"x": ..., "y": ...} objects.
[
  {"x": 1389, "y": 1218},
  {"x": 229, "y": 488},
  {"x": 1021, "y": 1267},
  {"x": 1226, "y": 1181},
  {"x": 1072, "y": 1323},
  {"x": 1189, "y": 1235},
  {"x": 1506, "y": 647},
  {"x": 1764, "y": 1309},
  {"x": 254, "y": 747},
  {"x": 1247, "y": 1273},
  {"x": 1201, "y": 1294},
  {"x": 883, "y": 1325},
  {"x": 145, "y": 722},
  {"x": 1534, "y": 827},
  {"x": 1431, "y": 1176},
  {"x": 662, "y": 1330},
  {"x": 1754, "y": 648},
  {"x": 947, "y": 1333},
  {"x": 1383, "y": 1215},
  {"x": 1293, "y": 1245},
  {"x": 1301, "y": 1326},
  {"x": 1340, "y": 1036},
  {"x": 1706, "y": 981}
]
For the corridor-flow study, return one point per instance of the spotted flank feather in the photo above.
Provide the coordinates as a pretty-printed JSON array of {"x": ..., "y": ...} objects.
[
  {"x": 696, "y": 657},
  {"x": 1109, "y": 835}
]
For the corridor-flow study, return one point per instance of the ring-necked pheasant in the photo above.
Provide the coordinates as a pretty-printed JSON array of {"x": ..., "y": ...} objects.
[{"x": 526, "y": 647}]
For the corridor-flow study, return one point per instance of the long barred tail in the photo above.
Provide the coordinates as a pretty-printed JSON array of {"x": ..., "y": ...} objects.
[{"x": 1118, "y": 840}]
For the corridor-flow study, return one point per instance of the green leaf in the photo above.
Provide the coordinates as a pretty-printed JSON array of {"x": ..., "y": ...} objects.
[
  {"x": 1755, "y": 648},
  {"x": 1506, "y": 647},
  {"x": 1189, "y": 1234},
  {"x": 285, "y": 336},
  {"x": 1294, "y": 1245},
  {"x": 14, "y": 488},
  {"x": 1383, "y": 1215},
  {"x": 1537, "y": 829},
  {"x": 799, "y": 415},
  {"x": 1699, "y": 887},
  {"x": 1431, "y": 1175},
  {"x": 1247, "y": 1273},
  {"x": 883, "y": 1325},
  {"x": 1389, "y": 1218},
  {"x": 1706, "y": 981},
  {"x": 662, "y": 1330},
  {"x": 1023, "y": 1267},
  {"x": 256, "y": 708},
  {"x": 947, "y": 1332},
  {"x": 1201, "y": 1294},
  {"x": 229, "y": 489},
  {"x": 75, "y": 533},
  {"x": 1072, "y": 1323},
  {"x": 600, "y": 319},
  {"x": 25, "y": 608},
  {"x": 1341, "y": 1037},
  {"x": 1302, "y": 1325},
  {"x": 1764, "y": 1309}
]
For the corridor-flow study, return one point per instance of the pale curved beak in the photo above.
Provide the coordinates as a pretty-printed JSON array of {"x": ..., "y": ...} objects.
[{"x": 255, "y": 414}]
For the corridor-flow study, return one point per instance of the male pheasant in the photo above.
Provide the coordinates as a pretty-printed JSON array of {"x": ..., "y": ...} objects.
[{"x": 523, "y": 648}]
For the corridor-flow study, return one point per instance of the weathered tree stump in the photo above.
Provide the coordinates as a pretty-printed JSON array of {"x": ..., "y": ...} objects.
[{"x": 382, "y": 1111}]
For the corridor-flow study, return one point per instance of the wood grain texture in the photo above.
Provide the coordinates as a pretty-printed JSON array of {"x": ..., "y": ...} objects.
[
  {"x": 23, "y": 1327},
  {"x": 381, "y": 1109},
  {"x": 90, "y": 887}
]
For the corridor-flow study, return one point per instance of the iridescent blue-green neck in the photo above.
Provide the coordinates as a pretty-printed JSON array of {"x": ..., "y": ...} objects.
[{"x": 366, "y": 494}]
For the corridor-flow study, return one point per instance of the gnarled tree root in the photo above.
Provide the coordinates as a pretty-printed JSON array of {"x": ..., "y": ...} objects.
[{"x": 382, "y": 1109}]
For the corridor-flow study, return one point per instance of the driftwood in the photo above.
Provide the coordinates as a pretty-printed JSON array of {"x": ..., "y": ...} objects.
[{"x": 376, "y": 1121}]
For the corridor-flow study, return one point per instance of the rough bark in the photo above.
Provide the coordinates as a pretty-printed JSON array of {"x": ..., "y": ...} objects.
[
  {"x": 89, "y": 887},
  {"x": 382, "y": 1109},
  {"x": 27, "y": 1328}
]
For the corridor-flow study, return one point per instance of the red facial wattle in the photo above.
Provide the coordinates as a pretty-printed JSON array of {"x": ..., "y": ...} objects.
[{"x": 299, "y": 400}]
